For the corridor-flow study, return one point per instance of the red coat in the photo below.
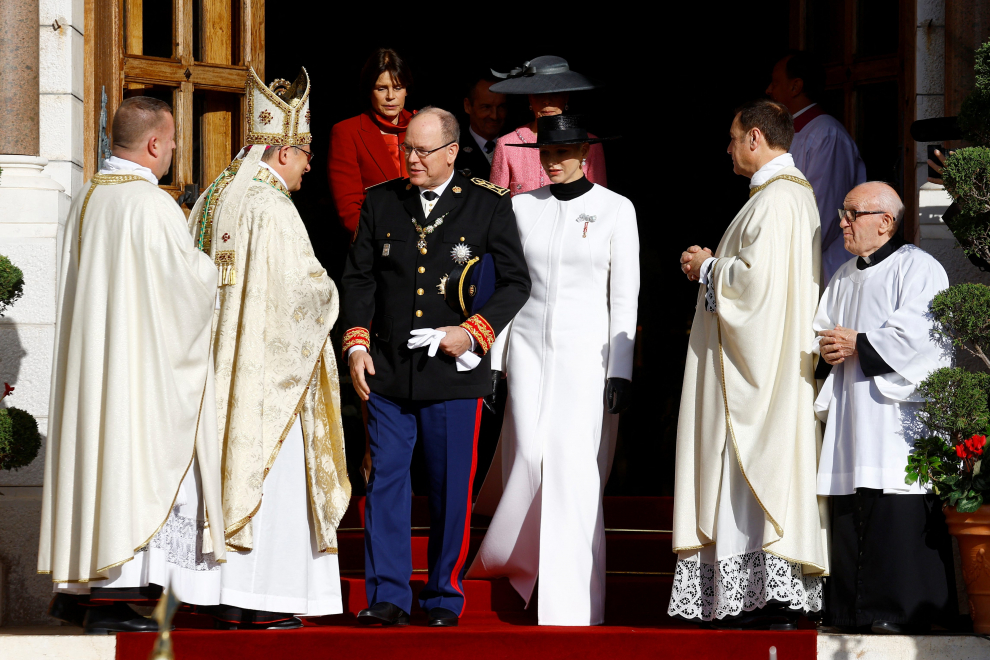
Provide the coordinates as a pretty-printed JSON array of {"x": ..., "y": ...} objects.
[{"x": 358, "y": 159}]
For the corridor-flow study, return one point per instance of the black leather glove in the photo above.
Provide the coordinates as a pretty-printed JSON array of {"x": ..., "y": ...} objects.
[
  {"x": 490, "y": 399},
  {"x": 618, "y": 395}
]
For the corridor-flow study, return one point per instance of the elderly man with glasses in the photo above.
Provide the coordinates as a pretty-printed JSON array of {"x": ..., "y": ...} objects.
[
  {"x": 406, "y": 294},
  {"x": 892, "y": 567}
]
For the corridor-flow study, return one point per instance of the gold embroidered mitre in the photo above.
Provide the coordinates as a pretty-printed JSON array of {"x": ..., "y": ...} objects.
[{"x": 279, "y": 113}]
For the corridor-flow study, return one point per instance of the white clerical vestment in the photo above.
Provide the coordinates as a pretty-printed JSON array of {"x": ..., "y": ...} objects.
[
  {"x": 285, "y": 485},
  {"x": 132, "y": 469},
  {"x": 748, "y": 527},
  {"x": 871, "y": 423},
  {"x": 577, "y": 329},
  {"x": 828, "y": 156}
]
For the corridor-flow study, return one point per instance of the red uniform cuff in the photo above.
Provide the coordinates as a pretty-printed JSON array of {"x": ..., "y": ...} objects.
[
  {"x": 481, "y": 331},
  {"x": 356, "y": 337}
]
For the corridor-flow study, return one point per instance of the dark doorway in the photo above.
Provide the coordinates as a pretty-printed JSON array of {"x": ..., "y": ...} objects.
[{"x": 672, "y": 81}]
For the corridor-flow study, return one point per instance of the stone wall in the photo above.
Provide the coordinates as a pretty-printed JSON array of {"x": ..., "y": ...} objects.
[{"x": 35, "y": 194}]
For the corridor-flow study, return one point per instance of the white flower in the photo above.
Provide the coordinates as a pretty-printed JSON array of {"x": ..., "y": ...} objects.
[
  {"x": 586, "y": 218},
  {"x": 460, "y": 253}
]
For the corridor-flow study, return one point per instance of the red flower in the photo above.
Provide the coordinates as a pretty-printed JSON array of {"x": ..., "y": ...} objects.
[
  {"x": 7, "y": 389},
  {"x": 971, "y": 448}
]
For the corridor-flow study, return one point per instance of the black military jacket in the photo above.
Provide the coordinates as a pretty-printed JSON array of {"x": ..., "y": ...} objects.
[
  {"x": 390, "y": 287},
  {"x": 472, "y": 157}
]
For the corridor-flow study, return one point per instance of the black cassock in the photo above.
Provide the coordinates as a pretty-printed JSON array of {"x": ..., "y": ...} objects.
[{"x": 891, "y": 561}]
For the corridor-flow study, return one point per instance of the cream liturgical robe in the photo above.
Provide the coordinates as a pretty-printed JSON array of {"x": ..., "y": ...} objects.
[
  {"x": 131, "y": 368},
  {"x": 277, "y": 384},
  {"x": 747, "y": 522}
]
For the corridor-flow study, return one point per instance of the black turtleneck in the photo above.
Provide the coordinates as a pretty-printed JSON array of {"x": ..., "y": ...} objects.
[
  {"x": 871, "y": 362},
  {"x": 568, "y": 191}
]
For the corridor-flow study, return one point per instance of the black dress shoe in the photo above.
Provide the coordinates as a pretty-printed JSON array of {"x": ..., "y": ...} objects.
[
  {"x": 291, "y": 623},
  {"x": 68, "y": 608},
  {"x": 441, "y": 617},
  {"x": 890, "y": 628},
  {"x": 386, "y": 614},
  {"x": 116, "y": 618},
  {"x": 228, "y": 617}
]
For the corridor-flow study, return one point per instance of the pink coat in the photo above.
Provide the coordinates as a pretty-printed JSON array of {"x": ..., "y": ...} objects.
[{"x": 519, "y": 168}]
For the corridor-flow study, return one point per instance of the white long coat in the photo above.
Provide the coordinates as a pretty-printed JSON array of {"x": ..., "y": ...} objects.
[{"x": 577, "y": 329}]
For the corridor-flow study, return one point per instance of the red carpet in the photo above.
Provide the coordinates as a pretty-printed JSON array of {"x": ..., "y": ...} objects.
[
  {"x": 495, "y": 624},
  {"x": 483, "y": 637}
]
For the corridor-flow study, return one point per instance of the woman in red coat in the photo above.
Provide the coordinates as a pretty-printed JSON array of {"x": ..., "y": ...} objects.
[{"x": 364, "y": 150}]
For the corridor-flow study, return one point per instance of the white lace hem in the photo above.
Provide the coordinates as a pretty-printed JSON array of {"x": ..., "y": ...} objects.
[{"x": 740, "y": 584}]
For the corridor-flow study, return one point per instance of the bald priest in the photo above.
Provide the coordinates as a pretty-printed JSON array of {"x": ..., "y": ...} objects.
[
  {"x": 748, "y": 529},
  {"x": 131, "y": 498},
  {"x": 876, "y": 340}
]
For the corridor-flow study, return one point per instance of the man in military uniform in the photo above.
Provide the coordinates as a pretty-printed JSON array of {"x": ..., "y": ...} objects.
[{"x": 413, "y": 233}]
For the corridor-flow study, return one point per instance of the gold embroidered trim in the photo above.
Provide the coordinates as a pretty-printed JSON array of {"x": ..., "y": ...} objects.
[
  {"x": 224, "y": 261},
  {"x": 488, "y": 185},
  {"x": 213, "y": 196},
  {"x": 290, "y": 115},
  {"x": 785, "y": 177},
  {"x": 265, "y": 175},
  {"x": 356, "y": 337},
  {"x": 82, "y": 214},
  {"x": 688, "y": 548},
  {"x": 481, "y": 330}
]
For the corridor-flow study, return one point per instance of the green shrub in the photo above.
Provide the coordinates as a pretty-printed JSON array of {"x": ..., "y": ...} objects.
[
  {"x": 20, "y": 440},
  {"x": 962, "y": 313},
  {"x": 955, "y": 405},
  {"x": 11, "y": 283},
  {"x": 967, "y": 178}
]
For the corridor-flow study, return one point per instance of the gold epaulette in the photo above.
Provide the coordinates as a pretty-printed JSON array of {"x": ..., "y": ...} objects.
[{"x": 488, "y": 185}]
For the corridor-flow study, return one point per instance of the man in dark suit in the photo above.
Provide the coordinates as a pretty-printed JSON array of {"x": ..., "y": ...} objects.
[
  {"x": 412, "y": 234},
  {"x": 486, "y": 112}
]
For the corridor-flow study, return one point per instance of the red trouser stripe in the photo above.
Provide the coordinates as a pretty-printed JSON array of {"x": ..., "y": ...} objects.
[{"x": 466, "y": 542}]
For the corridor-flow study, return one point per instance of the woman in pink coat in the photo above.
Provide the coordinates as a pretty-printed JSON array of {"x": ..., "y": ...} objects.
[{"x": 548, "y": 81}]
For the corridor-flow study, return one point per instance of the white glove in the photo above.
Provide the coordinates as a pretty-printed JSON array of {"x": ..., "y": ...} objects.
[{"x": 429, "y": 337}]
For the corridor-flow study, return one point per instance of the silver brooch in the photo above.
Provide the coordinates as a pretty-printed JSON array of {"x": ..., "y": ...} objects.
[
  {"x": 586, "y": 219},
  {"x": 460, "y": 253}
]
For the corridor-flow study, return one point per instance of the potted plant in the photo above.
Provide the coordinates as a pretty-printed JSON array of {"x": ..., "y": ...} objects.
[
  {"x": 19, "y": 437},
  {"x": 954, "y": 459}
]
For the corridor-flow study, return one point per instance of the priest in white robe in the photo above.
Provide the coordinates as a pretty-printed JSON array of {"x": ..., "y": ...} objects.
[
  {"x": 131, "y": 498},
  {"x": 877, "y": 345},
  {"x": 285, "y": 485},
  {"x": 822, "y": 148},
  {"x": 749, "y": 532}
]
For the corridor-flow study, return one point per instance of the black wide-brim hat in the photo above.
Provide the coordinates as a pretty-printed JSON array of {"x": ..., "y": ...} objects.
[
  {"x": 544, "y": 75},
  {"x": 561, "y": 129}
]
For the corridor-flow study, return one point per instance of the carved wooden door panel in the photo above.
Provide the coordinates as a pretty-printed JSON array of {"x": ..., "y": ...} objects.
[{"x": 192, "y": 54}]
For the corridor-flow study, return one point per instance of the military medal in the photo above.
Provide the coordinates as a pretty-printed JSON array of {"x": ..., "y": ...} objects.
[
  {"x": 460, "y": 253},
  {"x": 442, "y": 287},
  {"x": 385, "y": 249},
  {"x": 423, "y": 231},
  {"x": 586, "y": 219}
]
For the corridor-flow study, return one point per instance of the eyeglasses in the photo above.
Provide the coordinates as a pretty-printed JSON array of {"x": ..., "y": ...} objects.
[
  {"x": 422, "y": 153},
  {"x": 851, "y": 216},
  {"x": 309, "y": 154}
]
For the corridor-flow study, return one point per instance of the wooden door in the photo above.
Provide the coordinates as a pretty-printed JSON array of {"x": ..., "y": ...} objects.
[
  {"x": 193, "y": 54},
  {"x": 868, "y": 50}
]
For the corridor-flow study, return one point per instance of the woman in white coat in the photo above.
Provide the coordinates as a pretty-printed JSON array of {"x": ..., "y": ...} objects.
[{"x": 568, "y": 357}]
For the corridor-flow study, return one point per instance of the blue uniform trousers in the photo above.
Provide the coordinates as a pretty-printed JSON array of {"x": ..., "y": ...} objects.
[{"x": 449, "y": 432}]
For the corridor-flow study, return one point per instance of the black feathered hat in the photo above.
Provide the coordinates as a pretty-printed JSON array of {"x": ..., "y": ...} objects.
[{"x": 561, "y": 129}]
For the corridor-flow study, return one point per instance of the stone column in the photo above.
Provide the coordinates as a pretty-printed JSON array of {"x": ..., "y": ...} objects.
[{"x": 19, "y": 65}]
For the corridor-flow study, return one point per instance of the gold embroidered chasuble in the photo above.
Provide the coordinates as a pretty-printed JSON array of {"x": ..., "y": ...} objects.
[
  {"x": 271, "y": 349},
  {"x": 129, "y": 381},
  {"x": 749, "y": 378}
]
